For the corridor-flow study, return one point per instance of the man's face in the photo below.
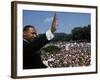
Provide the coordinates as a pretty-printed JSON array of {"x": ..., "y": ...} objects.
[{"x": 30, "y": 34}]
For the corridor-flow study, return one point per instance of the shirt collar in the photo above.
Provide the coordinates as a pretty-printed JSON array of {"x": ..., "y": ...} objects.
[{"x": 26, "y": 40}]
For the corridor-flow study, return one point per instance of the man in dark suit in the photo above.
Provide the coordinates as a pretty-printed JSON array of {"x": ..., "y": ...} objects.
[{"x": 32, "y": 44}]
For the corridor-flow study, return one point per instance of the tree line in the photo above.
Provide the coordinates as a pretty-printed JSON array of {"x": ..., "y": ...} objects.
[{"x": 80, "y": 34}]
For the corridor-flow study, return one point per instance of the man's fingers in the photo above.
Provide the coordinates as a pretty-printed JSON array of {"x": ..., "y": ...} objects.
[{"x": 54, "y": 23}]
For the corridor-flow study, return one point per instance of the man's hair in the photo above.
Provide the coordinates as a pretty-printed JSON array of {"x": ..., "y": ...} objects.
[{"x": 27, "y": 27}]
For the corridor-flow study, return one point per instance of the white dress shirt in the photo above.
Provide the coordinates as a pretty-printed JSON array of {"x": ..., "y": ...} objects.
[{"x": 49, "y": 35}]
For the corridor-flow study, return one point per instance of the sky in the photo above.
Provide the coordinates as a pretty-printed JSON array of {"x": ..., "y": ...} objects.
[{"x": 42, "y": 20}]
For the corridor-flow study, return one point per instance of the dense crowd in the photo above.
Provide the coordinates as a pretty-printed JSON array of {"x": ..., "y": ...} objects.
[{"x": 70, "y": 55}]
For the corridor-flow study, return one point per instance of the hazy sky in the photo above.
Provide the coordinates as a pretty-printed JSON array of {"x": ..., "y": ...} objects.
[{"x": 66, "y": 20}]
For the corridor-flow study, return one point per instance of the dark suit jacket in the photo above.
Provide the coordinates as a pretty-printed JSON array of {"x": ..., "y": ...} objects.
[{"x": 31, "y": 55}]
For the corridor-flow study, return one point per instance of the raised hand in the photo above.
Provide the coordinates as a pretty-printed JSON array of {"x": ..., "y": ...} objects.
[{"x": 54, "y": 24}]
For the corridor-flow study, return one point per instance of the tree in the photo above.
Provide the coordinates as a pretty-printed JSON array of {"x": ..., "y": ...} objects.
[{"x": 82, "y": 33}]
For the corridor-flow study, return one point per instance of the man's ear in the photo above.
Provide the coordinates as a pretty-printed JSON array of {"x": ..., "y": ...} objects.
[{"x": 24, "y": 33}]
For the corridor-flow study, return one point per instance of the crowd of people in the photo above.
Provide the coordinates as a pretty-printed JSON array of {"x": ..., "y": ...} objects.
[{"x": 70, "y": 55}]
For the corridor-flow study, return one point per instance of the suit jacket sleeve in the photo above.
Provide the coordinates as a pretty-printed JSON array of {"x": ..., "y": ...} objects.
[{"x": 40, "y": 42}]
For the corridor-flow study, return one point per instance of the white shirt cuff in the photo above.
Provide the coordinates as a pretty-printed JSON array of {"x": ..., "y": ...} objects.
[{"x": 49, "y": 35}]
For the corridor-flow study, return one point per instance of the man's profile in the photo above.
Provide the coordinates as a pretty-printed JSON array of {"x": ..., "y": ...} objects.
[{"x": 32, "y": 44}]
